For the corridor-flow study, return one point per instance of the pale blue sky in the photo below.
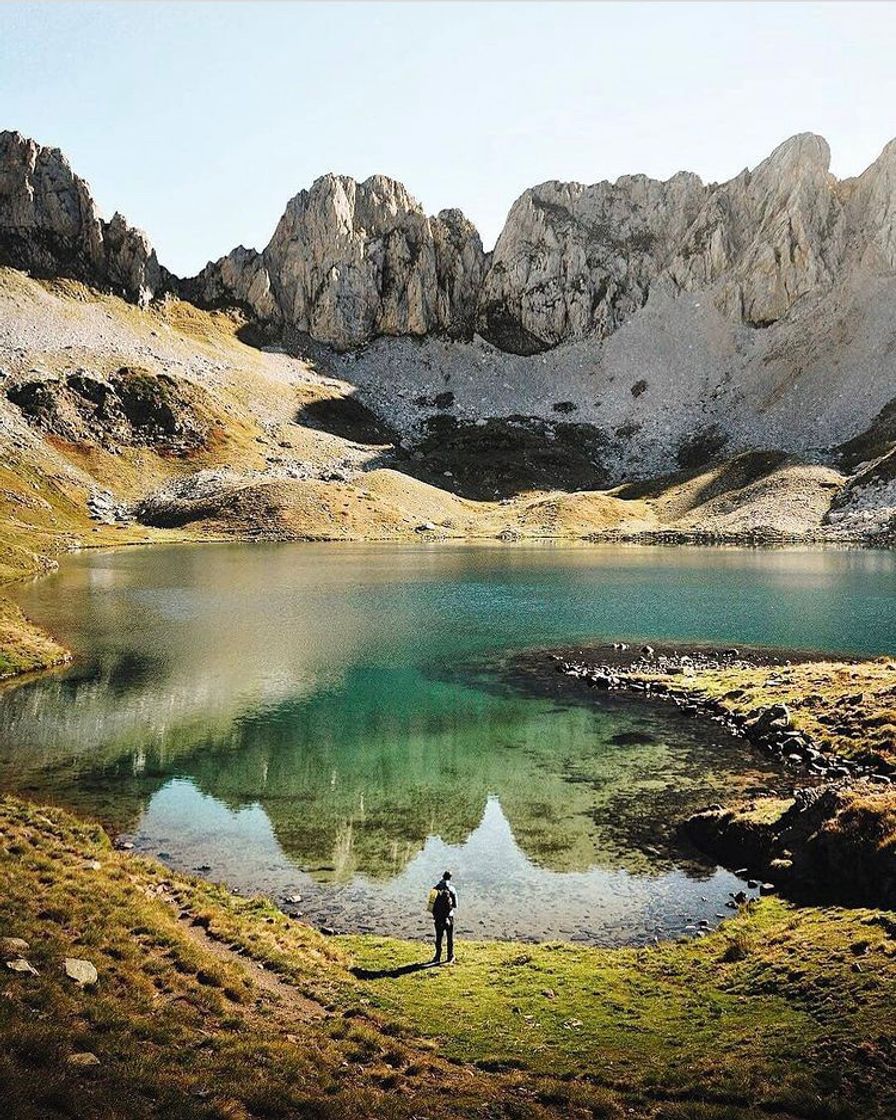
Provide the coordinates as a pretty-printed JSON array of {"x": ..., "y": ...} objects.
[{"x": 199, "y": 121}]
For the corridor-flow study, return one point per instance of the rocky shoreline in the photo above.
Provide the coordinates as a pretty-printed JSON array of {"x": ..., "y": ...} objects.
[
  {"x": 662, "y": 673},
  {"x": 834, "y": 837}
]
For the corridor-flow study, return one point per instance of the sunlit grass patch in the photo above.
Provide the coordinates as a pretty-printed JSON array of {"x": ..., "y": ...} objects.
[{"x": 785, "y": 1010}]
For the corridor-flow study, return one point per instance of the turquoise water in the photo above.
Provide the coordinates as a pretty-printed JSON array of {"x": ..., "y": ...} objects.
[{"x": 332, "y": 722}]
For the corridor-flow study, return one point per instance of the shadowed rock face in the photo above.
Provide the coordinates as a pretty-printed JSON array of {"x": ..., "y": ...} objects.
[
  {"x": 132, "y": 407},
  {"x": 49, "y": 226}
]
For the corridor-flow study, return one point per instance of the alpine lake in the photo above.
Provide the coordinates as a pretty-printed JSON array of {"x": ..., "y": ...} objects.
[{"x": 333, "y": 725}]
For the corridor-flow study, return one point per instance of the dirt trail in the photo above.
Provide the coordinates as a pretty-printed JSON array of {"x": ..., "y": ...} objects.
[{"x": 287, "y": 1001}]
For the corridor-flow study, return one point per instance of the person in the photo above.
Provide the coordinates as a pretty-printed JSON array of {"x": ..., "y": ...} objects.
[{"x": 443, "y": 917}]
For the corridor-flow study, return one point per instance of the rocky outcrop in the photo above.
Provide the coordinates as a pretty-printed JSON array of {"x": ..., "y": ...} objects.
[
  {"x": 240, "y": 279},
  {"x": 574, "y": 261},
  {"x": 49, "y": 226},
  {"x": 131, "y": 407},
  {"x": 351, "y": 261},
  {"x": 833, "y": 843},
  {"x": 190, "y": 498}
]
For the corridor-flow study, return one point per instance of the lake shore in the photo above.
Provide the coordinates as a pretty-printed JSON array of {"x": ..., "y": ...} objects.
[
  {"x": 782, "y": 1009},
  {"x": 828, "y": 722},
  {"x": 206, "y": 1004},
  {"x": 24, "y": 647}
]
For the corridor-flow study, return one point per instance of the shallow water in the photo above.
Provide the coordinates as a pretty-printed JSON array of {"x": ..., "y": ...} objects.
[{"x": 331, "y": 721}]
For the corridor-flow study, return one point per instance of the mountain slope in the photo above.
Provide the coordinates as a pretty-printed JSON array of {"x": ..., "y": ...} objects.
[{"x": 681, "y": 321}]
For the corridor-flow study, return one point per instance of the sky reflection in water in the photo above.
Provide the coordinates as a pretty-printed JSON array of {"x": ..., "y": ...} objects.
[{"x": 323, "y": 720}]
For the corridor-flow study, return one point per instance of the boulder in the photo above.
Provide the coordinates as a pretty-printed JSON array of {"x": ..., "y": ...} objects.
[
  {"x": 770, "y": 722},
  {"x": 20, "y": 964},
  {"x": 12, "y": 947},
  {"x": 82, "y": 1060},
  {"x": 82, "y": 972}
]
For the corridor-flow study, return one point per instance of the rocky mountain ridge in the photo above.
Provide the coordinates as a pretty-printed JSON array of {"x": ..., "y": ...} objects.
[
  {"x": 680, "y": 321},
  {"x": 349, "y": 262},
  {"x": 49, "y": 226}
]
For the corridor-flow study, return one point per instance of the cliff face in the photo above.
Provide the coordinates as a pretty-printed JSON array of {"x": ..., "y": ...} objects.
[
  {"x": 351, "y": 261},
  {"x": 49, "y": 225},
  {"x": 574, "y": 261}
]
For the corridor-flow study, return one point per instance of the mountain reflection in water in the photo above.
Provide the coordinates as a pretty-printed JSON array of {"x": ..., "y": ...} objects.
[{"x": 327, "y": 719}]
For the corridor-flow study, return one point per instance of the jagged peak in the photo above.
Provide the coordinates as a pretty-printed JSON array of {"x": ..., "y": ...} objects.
[
  {"x": 621, "y": 183},
  {"x": 50, "y": 225},
  {"x": 886, "y": 161}
]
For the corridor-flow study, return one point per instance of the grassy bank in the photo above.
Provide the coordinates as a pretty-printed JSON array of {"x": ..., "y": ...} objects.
[
  {"x": 772, "y": 1012},
  {"x": 782, "y": 1010},
  {"x": 846, "y": 709},
  {"x": 182, "y": 1021},
  {"x": 832, "y": 723},
  {"x": 24, "y": 647}
]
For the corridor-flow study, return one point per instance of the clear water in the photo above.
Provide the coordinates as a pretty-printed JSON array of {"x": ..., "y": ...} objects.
[{"x": 333, "y": 722}]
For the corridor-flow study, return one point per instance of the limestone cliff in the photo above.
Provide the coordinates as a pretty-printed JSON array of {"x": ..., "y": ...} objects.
[
  {"x": 351, "y": 261},
  {"x": 574, "y": 261},
  {"x": 49, "y": 225}
]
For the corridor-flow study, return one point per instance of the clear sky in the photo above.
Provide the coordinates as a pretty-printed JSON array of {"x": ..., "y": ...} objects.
[{"x": 198, "y": 121}]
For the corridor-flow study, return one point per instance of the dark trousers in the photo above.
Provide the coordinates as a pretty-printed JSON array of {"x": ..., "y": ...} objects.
[{"x": 443, "y": 929}]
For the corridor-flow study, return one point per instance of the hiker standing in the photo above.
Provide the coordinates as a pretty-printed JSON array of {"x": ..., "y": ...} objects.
[{"x": 443, "y": 904}]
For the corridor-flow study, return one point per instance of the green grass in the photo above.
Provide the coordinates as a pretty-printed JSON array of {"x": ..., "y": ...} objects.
[
  {"x": 179, "y": 1032},
  {"x": 783, "y": 1011},
  {"x": 769, "y": 1011},
  {"x": 23, "y": 647},
  {"x": 847, "y": 709}
]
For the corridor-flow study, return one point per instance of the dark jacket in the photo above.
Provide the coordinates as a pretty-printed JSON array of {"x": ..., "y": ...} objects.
[{"x": 444, "y": 885}]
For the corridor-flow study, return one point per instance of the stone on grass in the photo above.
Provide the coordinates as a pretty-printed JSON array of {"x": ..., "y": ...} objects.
[
  {"x": 21, "y": 965},
  {"x": 82, "y": 972},
  {"x": 83, "y": 1059},
  {"x": 11, "y": 947}
]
